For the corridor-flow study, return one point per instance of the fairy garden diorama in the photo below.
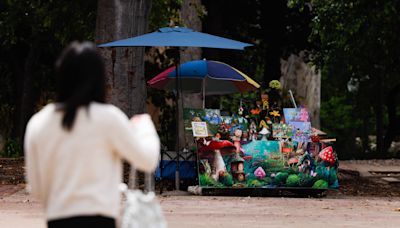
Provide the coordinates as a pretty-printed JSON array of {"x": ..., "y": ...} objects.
[{"x": 263, "y": 146}]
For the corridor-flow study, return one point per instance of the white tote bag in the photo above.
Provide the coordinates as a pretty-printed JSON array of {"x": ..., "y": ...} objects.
[{"x": 141, "y": 210}]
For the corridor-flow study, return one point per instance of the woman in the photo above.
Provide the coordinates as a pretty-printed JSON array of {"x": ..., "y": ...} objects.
[{"x": 74, "y": 147}]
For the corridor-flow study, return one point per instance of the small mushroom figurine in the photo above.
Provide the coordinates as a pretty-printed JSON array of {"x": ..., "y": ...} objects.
[
  {"x": 264, "y": 132},
  {"x": 327, "y": 155}
]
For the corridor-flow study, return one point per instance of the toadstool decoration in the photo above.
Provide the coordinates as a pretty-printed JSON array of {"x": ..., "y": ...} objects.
[
  {"x": 264, "y": 132},
  {"x": 327, "y": 155},
  {"x": 293, "y": 161},
  {"x": 218, "y": 147}
]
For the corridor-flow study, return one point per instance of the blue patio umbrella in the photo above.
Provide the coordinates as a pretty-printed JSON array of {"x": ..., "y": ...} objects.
[{"x": 178, "y": 37}]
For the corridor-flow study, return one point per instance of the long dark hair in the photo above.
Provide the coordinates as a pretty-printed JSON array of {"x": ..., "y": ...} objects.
[{"x": 80, "y": 79}]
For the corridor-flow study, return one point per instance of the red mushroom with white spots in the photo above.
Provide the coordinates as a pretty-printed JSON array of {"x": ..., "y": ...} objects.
[{"x": 328, "y": 155}]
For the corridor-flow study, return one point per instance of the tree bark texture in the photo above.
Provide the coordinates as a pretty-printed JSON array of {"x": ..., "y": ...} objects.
[
  {"x": 305, "y": 83},
  {"x": 120, "y": 19},
  {"x": 25, "y": 89},
  {"x": 190, "y": 19}
]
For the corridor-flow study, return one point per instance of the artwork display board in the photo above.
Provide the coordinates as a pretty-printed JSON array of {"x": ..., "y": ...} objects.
[
  {"x": 237, "y": 163},
  {"x": 282, "y": 130},
  {"x": 265, "y": 165}
]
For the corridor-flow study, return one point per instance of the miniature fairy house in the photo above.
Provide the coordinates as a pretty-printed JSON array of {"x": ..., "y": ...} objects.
[{"x": 237, "y": 168}]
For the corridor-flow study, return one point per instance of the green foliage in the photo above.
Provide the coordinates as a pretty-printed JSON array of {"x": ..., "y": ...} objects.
[
  {"x": 320, "y": 184},
  {"x": 254, "y": 183},
  {"x": 6, "y": 106},
  {"x": 357, "y": 48},
  {"x": 269, "y": 164},
  {"x": 164, "y": 13},
  {"x": 206, "y": 180},
  {"x": 267, "y": 180},
  {"x": 293, "y": 180},
  {"x": 226, "y": 179},
  {"x": 12, "y": 149},
  {"x": 306, "y": 180},
  {"x": 33, "y": 34},
  {"x": 280, "y": 178}
]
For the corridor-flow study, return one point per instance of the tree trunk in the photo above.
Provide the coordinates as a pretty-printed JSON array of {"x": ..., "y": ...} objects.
[
  {"x": 190, "y": 19},
  {"x": 119, "y": 19},
  {"x": 25, "y": 81},
  {"x": 305, "y": 83},
  {"x": 394, "y": 120},
  {"x": 379, "y": 116}
]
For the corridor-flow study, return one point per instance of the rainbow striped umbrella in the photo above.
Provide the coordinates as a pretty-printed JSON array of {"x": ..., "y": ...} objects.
[{"x": 206, "y": 76}]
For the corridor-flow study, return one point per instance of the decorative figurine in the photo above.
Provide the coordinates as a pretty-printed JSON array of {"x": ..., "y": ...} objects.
[{"x": 252, "y": 130}]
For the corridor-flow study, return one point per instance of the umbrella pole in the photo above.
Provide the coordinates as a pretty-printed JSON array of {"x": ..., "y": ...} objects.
[
  {"x": 177, "y": 86},
  {"x": 204, "y": 93}
]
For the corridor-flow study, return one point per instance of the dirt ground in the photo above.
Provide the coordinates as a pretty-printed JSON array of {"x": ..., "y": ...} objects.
[
  {"x": 18, "y": 210},
  {"x": 360, "y": 202}
]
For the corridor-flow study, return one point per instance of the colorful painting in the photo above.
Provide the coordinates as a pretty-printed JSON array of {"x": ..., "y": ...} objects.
[
  {"x": 282, "y": 130},
  {"x": 263, "y": 164},
  {"x": 199, "y": 129},
  {"x": 190, "y": 115},
  {"x": 296, "y": 115},
  {"x": 301, "y": 131},
  {"x": 210, "y": 116}
]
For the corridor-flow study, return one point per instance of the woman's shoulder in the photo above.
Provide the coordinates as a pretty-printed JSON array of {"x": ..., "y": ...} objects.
[
  {"x": 45, "y": 111},
  {"x": 107, "y": 110},
  {"x": 44, "y": 115}
]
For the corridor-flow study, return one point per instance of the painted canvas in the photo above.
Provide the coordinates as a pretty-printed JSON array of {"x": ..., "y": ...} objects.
[
  {"x": 301, "y": 131},
  {"x": 282, "y": 130},
  {"x": 263, "y": 164},
  {"x": 190, "y": 115},
  {"x": 296, "y": 115},
  {"x": 199, "y": 129},
  {"x": 210, "y": 116}
]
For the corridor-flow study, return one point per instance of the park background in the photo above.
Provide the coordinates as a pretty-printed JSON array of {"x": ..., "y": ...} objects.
[{"x": 340, "y": 58}]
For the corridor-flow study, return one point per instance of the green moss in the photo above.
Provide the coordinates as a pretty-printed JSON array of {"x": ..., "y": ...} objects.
[
  {"x": 280, "y": 178},
  {"x": 320, "y": 184},
  {"x": 306, "y": 180},
  {"x": 293, "y": 180}
]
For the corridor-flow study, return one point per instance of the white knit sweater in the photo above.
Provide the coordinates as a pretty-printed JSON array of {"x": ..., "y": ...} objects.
[{"x": 78, "y": 172}]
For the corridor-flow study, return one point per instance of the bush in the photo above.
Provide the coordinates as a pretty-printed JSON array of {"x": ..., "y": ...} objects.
[
  {"x": 12, "y": 149},
  {"x": 320, "y": 184},
  {"x": 293, "y": 180}
]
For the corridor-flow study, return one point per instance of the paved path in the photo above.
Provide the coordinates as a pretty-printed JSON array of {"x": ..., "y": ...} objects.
[{"x": 19, "y": 210}]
